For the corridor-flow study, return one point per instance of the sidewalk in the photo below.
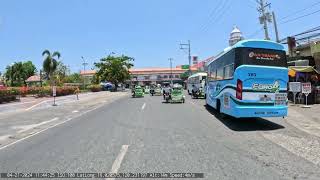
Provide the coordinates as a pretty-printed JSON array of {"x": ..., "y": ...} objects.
[
  {"x": 29, "y": 102},
  {"x": 18, "y": 124},
  {"x": 305, "y": 119},
  {"x": 310, "y": 113}
]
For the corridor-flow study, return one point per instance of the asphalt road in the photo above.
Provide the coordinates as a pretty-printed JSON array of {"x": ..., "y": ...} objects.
[{"x": 147, "y": 135}]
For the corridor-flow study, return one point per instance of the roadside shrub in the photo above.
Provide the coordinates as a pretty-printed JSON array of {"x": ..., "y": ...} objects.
[
  {"x": 95, "y": 88},
  {"x": 7, "y": 95},
  {"x": 63, "y": 91}
]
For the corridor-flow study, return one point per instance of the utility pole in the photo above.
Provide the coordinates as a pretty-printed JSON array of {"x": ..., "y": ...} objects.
[
  {"x": 275, "y": 26},
  {"x": 84, "y": 70},
  {"x": 170, "y": 59},
  {"x": 265, "y": 16},
  {"x": 187, "y": 46},
  {"x": 40, "y": 76}
]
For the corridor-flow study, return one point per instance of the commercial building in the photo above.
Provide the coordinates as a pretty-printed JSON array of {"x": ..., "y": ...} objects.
[
  {"x": 87, "y": 76},
  {"x": 147, "y": 76}
]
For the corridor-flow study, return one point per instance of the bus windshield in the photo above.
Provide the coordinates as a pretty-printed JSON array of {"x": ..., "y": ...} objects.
[{"x": 264, "y": 57}]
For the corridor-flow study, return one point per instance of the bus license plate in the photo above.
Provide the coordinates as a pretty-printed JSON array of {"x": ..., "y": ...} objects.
[{"x": 280, "y": 99}]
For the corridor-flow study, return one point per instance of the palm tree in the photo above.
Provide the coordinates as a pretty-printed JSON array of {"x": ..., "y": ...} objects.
[{"x": 50, "y": 63}]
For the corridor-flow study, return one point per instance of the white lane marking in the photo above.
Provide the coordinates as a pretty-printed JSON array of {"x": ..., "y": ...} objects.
[
  {"x": 143, "y": 106},
  {"x": 37, "y": 105},
  {"x": 75, "y": 111},
  {"x": 31, "y": 126},
  {"x": 17, "y": 103},
  {"x": 69, "y": 119},
  {"x": 117, "y": 163}
]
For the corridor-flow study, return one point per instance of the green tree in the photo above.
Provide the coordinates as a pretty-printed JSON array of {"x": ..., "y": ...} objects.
[
  {"x": 61, "y": 72},
  {"x": 73, "y": 78},
  {"x": 114, "y": 69},
  {"x": 19, "y": 72},
  {"x": 184, "y": 76},
  {"x": 50, "y": 63}
]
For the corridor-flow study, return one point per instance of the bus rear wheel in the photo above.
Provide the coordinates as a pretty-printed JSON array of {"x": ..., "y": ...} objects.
[{"x": 218, "y": 107}]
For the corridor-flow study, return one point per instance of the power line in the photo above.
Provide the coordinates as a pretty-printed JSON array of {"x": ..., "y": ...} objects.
[
  {"x": 303, "y": 33},
  {"x": 212, "y": 12},
  {"x": 251, "y": 35},
  {"x": 301, "y": 10},
  {"x": 223, "y": 9},
  {"x": 299, "y": 17}
]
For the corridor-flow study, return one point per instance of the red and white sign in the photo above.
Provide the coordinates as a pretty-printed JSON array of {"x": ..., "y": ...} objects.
[{"x": 306, "y": 88}]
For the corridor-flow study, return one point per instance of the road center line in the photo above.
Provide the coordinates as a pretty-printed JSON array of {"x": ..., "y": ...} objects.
[
  {"x": 117, "y": 163},
  {"x": 143, "y": 106}
]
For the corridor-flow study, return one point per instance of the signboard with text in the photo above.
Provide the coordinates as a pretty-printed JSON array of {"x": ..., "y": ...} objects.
[
  {"x": 54, "y": 91},
  {"x": 185, "y": 67},
  {"x": 306, "y": 88},
  {"x": 295, "y": 87}
]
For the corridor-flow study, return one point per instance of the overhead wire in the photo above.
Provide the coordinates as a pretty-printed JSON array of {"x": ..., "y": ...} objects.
[
  {"x": 299, "y": 17},
  {"x": 301, "y": 10},
  {"x": 223, "y": 9},
  {"x": 212, "y": 13}
]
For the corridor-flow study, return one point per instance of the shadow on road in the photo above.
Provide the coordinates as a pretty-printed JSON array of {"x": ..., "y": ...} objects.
[{"x": 244, "y": 124}]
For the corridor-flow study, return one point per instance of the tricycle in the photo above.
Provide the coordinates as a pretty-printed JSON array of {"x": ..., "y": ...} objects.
[
  {"x": 137, "y": 92},
  {"x": 177, "y": 94}
]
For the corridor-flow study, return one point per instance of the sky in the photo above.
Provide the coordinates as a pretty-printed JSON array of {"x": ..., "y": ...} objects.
[{"x": 148, "y": 30}]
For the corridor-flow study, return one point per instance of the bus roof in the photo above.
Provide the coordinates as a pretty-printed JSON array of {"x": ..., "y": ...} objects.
[
  {"x": 199, "y": 74},
  {"x": 258, "y": 43},
  {"x": 251, "y": 43}
]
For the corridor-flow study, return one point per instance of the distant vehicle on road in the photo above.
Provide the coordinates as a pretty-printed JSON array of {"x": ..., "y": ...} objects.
[
  {"x": 137, "y": 92},
  {"x": 196, "y": 85},
  {"x": 249, "y": 79},
  {"x": 147, "y": 89},
  {"x": 157, "y": 90},
  {"x": 177, "y": 94},
  {"x": 106, "y": 86}
]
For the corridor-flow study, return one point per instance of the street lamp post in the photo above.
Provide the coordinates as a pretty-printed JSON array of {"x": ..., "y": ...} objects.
[
  {"x": 84, "y": 70},
  {"x": 188, "y": 47}
]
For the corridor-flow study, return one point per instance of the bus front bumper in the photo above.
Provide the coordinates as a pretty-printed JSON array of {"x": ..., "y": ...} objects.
[{"x": 260, "y": 111}]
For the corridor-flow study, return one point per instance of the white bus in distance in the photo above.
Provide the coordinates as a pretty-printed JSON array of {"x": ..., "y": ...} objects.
[{"x": 197, "y": 82}]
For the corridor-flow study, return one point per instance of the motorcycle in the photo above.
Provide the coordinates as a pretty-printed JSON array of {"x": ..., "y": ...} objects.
[
  {"x": 151, "y": 91},
  {"x": 167, "y": 96}
]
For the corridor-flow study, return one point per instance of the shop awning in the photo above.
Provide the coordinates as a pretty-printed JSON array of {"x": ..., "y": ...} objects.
[
  {"x": 302, "y": 68},
  {"x": 306, "y": 69}
]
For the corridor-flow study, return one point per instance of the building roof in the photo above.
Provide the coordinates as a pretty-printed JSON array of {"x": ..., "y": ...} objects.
[
  {"x": 87, "y": 72},
  {"x": 158, "y": 70},
  {"x": 34, "y": 78}
]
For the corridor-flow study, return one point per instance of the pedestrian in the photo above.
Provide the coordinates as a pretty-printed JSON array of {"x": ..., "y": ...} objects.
[{"x": 77, "y": 92}]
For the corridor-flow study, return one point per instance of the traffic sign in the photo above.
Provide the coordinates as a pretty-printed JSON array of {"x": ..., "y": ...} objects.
[
  {"x": 306, "y": 88},
  {"x": 295, "y": 87}
]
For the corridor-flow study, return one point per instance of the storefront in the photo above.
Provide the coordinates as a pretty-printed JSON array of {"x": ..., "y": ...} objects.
[{"x": 305, "y": 74}]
